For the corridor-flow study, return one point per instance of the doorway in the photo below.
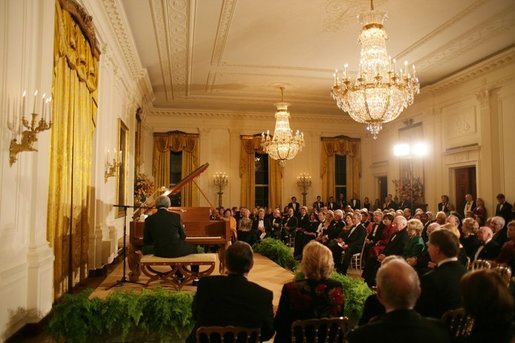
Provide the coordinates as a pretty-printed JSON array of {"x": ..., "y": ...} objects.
[
  {"x": 465, "y": 181},
  {"x": 382, "y": 182}
]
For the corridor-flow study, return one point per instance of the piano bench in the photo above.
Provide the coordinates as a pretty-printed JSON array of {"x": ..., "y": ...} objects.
[{"x": 180, "y": 268}]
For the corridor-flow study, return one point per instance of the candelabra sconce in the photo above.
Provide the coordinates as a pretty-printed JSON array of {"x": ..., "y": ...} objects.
[
  {"x": 304, "y": 182},
  {"x": 112, "y": 164},
  {"x": 24, "y": 131},
  {"x": 220, "y": 179}
]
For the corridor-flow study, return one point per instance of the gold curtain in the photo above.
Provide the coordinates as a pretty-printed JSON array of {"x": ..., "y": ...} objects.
[
  {"x": 345, "y": 146},
  {"x": 74, "y": 109},
  {"x": 176, "y": 141},
  {"x": 249, "y": 146}
]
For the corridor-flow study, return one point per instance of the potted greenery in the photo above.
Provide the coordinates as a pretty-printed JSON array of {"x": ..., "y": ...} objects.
[{"x": 277, "y": 251}]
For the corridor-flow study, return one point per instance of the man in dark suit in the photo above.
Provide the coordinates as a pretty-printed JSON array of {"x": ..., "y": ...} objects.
[
  {"x": 352, "y": 244},
  {"x": 354, "y": 202},
  {"x": 294, "y": 205},
  {"x": 398, "y": 289},
  {"x": 395, "y": 246},
  {"x": 503, "y": 208},
  {"x": 262, "y": 225},
  {"x": 163, "y": 234},
  {"x": 331, "y": 205},
  {"x": 231, "y": 299},
  {"x": 375, "y": 232},
  {"x": 289, "y": 225},
  {"x": 499, "y": 228},
  {"x": 440, "y": 287},
  {"x": 342, "y": 203},
  {"x": 317, "y": 205},
  {"x": 489, "y": 248},
  {"x": 444, "y": 205}
]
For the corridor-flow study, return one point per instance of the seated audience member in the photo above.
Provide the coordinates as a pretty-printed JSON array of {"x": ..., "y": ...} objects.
[
  {"x": 329, "y": 222},
  {"x": 507, "y": 254},
  {"x": 469, "y": 239},
  {"x": 277, "y": 224},
  {"x": 315, "y": 296},
  {"x": 289, "y": 224},
  {"x": 302, "y": 225},
  {"x": 374, "y": 232},
  {"x": 487, "y": 299},
  {"x": 424, "y": 263},
  {"x": 246, "y": 232},
  {"x": 349, "y": 244},
  {"x": 440, "y": 287},
  {"x": 462, "y": 255},
  {"x": 261, "y": 225},
  {"x": 398, "y": 288},
  {"x": 163, "y": 234},
  {"x": 488, "y": 248},
  {"x": 497, "y": 224},
  {"x": 395, "y": 246},
  {"x": 231, "y": 299},
  {"x": 415, "y": 245}
]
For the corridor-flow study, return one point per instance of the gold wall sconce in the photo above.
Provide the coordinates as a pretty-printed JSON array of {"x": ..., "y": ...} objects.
[
  {"x": 25, "y": 131},
  {"x": 112, "y": 164}
]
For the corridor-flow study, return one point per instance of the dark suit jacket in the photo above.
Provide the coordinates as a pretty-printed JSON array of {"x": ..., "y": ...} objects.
[
  {"x": 378, "y": 232},
  {"x": 355, "y": 239},
  {"x": 401, "y": 326},
  {"x": 440, "y": 290},
  {"x": 296, "y": 207},
  {"x": 489, "y": 252},
  {"x": 332, "y": 206},
  {"x": 163, "y": 230},
  {"x": 233, "y": 300},
  {"x": 443, "y": 206},
  {"x": 317, "y": 205},
  {"x": 335, "y": 230},
  {"x": 505, "y": 212},
  {"x": 354, "y": 203},
  {"x": 396, "y": 244},
  {"x": 266, "y": 222}
]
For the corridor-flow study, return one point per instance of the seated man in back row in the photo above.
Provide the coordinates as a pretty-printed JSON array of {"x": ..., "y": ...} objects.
[{"x": 231, "y": 299}]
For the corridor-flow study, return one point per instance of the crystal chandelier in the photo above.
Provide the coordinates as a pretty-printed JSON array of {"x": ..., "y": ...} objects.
[
  {"x": 378, "y": 94},
  {"x": 283, "y": 145}
]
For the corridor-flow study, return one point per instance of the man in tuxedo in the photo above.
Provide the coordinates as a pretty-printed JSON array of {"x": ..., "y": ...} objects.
[
  {"x": 503, "y": 208},
  {"x": 331, "y": 205},
  {"x": 489, "y": 248},
  {"x": 163, "y": 234},
  {"x": 277, "y": 224},
  {"x": 335, "y": 228},
  {"x": 354, "y": 202},
  {"x": 294, "y": 205},
  {"x": 231, "y": 299},
  {"x": 302, "y": 225},
  {"x": 318, "y": 204},
  {"x": 398, "y": 288},
  {"x": 444, "y": 205},
  {"x": 342, "y": 203},
  {"x": 395, "y": 246},
  {"x": 289, "y": 225},
  {"x": 262, "y": 225},
  {"x": 499, "y": 228},
  {"x": 351, "y": 244},
  {"x": 470, "y": 205},
  {"x": 440, "y": 287},
  {"x": 375, "y": 232}
]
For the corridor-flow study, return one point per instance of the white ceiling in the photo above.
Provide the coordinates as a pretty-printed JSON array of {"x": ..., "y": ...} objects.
[{"x": 232, "y": 55}]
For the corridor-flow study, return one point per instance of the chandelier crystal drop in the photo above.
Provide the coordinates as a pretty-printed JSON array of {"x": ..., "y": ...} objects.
[
  {"x": 378, "y": 94},
  {"x": 284, "y": 145}
]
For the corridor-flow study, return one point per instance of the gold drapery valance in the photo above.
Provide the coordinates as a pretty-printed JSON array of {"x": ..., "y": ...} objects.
[
  {"x": 250, "y": 145},
  {"x": 176, "y": 141},
  {"x": 74, "y": 108},
  {"x": 345, "y": 146}
]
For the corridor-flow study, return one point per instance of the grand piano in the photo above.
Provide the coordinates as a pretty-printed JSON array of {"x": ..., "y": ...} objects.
[{"x": 198, "y": 227}]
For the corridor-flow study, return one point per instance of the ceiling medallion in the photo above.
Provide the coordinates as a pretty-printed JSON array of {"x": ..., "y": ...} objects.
[
  {"x": 283, "y": 145},
  {"x": 378, "y": 94}
]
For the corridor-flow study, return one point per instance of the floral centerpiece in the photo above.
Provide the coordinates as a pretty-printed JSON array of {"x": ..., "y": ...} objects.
[{"x": 143, "y": 188}]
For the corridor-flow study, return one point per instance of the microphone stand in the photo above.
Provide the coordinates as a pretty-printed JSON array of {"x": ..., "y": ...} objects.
[{"x": 124, "y": 253}]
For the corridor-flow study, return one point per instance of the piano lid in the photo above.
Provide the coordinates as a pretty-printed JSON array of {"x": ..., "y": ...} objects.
[{"x": 150, "y": 201}]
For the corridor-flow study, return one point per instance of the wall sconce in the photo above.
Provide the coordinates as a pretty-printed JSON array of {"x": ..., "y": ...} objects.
[
  {"x": 220, "y": 179},
  {"x": 25, "y": 132},
  {"x": 112, "y": 164},
  {"x": 304, "y": 182}
]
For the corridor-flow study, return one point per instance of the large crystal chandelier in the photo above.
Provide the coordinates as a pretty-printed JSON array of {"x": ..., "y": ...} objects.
[
  {"x": 283, "y": 145},
  {"x": 378, "y": 94}
]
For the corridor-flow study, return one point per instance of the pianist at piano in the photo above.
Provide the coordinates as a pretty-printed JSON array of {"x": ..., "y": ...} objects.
[{"x": 164, "y": 234}]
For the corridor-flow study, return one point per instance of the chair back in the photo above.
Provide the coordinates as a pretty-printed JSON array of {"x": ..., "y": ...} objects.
[
  {"x": 328, "y": 330},
  {"x": 479, "y": 264},
  {"x": 458, "y": 322},
  {"x": 504, "y": 271},
  {"x": 227, "y": 334}
]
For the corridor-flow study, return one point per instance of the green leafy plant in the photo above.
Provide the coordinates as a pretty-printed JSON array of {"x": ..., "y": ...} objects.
[
  {"x": 355, "y": 293},
  {"x": 76, "y": 318},
  {"x": 277, "y": 251}
]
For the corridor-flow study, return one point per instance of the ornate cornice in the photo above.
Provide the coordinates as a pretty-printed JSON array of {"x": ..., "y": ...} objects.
[
  {"x": 224, "y": 24},
  {"x": 500, "y": 60},
  {"x": 125, "y": 41},
  {"x": 85, "y": 22}
]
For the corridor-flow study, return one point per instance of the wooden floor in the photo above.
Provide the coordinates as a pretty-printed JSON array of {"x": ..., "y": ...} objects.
[{"x": 265, "y": 273}]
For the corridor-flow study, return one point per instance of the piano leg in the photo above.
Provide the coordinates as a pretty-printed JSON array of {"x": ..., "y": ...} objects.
[
  {"x": 221, "y": 257},
  {"x": 133, "y": 259}
]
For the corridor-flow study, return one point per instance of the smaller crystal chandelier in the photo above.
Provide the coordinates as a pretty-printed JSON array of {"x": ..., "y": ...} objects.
[
  {"x": 283, "y": 145},
  {"x": 378, "y": 94}
]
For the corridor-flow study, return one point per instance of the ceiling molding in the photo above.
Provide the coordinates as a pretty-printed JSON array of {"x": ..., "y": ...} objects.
[
  {"x": 476, "y": 70},
  {"x": 224, "y": 24}
]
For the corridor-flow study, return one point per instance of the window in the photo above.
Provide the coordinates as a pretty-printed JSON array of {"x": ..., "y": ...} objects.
[
  {"x": 175, "y": 175},
  {"x": 261, "y": 175},
  {"x": 340, "y": 175}
]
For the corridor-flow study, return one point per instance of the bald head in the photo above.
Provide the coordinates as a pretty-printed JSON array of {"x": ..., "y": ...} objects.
[{"x": 398, "y": 286}]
